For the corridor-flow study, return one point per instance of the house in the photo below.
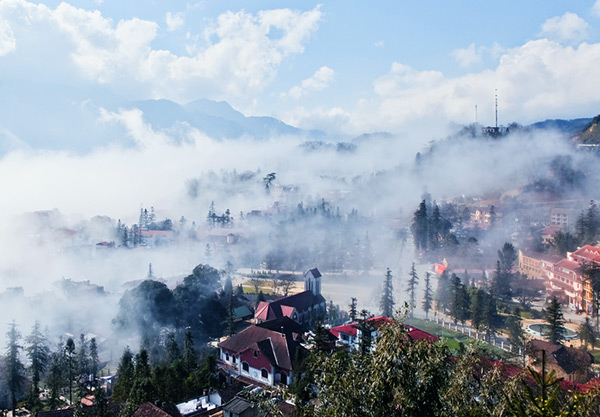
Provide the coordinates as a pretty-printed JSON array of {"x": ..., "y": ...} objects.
[
  {"x": 303, "y": 307},
  {"x": 264, "y": 353},
  {"x": 240, "y": 407},
  {"x": 572, "y": 364},
  {"x": 148, "y": 409},
  {"x": 211, "y": 400},
  {"x": 587, "y": 255},
  {"x": 530, "y": 263},
  {"x": 351, "y": 334}
]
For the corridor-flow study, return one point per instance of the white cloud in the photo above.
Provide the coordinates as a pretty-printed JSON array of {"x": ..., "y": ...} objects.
[
  {"x": 240, "y": 54},
  {"x": 317, "y": 82},
  {"x": 566, "y": 28},
  {"x": 538, "y": 80},
  {"x": 174, "y": 20},
  {"x": 8, "y": 42},
  {"x": 596, "y": 8},
  {"x": 467, "y": 57},
  {"x": 379, "y": 44}
]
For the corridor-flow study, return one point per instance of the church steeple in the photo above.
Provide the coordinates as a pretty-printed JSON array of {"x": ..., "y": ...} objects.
[{"x": 312, "y": 281}]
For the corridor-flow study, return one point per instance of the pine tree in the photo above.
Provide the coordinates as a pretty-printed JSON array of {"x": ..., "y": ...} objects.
[
  {"x": 478, "y": 302},
  {"x": 352, "y": 309},
  {"x": 387, "y": 297},
  {"x": 516, "y": 337},
  {"x": 489, "y": 319},
  {"x": 38, "y": 353},
  {"x": 412, "y": 287},
  {"x": 94, "y": 361},
  {"x": 587, "y": 334},
  {"x": 70, "y": 357},
  {"x": 592, "y": 222},
  {"x": 172, "y": 348},
  {"x": 56, "y": 378},
  {"x": 142, "y": 389},
  {"x": 555, "y": 319},
  {"x": 459, "y": 309},
  {"x": 125, "y": 373},
  {"x": 420, "y": 227},
  {"x": 442, "y": 293},
  {"x": 230, "y": 320},
  {"x": 14, "y": 367},
  {"x": 189, "y": 353},
  {"x": 428, "y": 295},
  {"x": 82, "y": 361}
]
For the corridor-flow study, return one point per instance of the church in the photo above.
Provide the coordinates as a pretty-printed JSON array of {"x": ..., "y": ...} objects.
[{"x": 303, "y": 308}]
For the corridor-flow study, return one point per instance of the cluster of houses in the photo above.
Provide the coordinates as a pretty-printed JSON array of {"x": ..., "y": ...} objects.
[
  {"x": 563, "y": 277},
  {"x": 264, "y": 353}
]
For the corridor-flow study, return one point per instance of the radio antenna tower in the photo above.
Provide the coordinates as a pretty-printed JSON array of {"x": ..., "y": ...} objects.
[
  {"x": 476, "y": 114},
  {"x": 496, "y": 102}
]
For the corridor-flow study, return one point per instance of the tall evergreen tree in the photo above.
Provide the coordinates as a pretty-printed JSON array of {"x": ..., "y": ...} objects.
[
  {"x": 586, "y": 332},
  {"x": 125, "y": 374},
  {"x": 70, "y": 359},
  {"x": 94, "y": 360},
  {"x": 352, "y": 309},
  {"x": 459, "y": 309},
  {"x": 82, "y": 362},
  {"x": 171, "y": 348},
  {"x": 490, "y": 316},
  {"x": 420, "y": 227},
  {"x": 555, "y": 319},
  {"x": 387, "y": 297},
  {"x": 442, "y": 293},
  {"x": 142, "y": 389},
  {"x": 478, "y": 302},
  {"x": 514, "y": 325},
  {"x": 412, "y": 287},
  {"x": 592, "y": 222},
  {"x": 428, "y": 295},
  {"x": 38, "y": 354},
  {"x": 14, "y": 368},
  {"x": 56, "y": 378},
  {"x": 189, "y": 353},
  {"x": 230, "y": 319}
]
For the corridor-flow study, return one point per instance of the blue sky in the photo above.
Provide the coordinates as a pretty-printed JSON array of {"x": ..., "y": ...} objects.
[{"x": 339, "y": 66}]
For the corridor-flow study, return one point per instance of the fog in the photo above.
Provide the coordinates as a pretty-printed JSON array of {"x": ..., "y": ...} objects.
[{"x": 326, "y": 197}]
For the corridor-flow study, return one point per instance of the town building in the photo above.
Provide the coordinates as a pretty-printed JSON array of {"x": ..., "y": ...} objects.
[
  {"x": 351, "y": 334},
  {"x": 264, "y": 353},
  {"x": 304, "y": 307},
  {"x": 569, "y": 363}
]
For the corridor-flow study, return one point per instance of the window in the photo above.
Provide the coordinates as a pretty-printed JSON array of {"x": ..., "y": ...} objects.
[
  {"x": 233, "y": 359},
  {"x": 256, "y": 354},
  {"x": 264, "y": 373},
  {"x": 245, "y": 367},
  {"x": 227, "y": 357}
]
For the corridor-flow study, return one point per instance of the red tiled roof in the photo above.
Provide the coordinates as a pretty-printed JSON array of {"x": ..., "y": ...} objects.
[
  {"x": 150, "y": 410},
  {"x": 567, "y": 264},
  {"x": 344, "y": 328},
  {"x": 284, "y": 306},
  {"x": 589, "y": 251},
  {"x": 278, "y": 348},
  {"x": 417, "y": 334}
]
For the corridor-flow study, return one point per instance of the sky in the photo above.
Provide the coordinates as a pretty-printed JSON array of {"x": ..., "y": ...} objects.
[{"x": 339, "y": 66}]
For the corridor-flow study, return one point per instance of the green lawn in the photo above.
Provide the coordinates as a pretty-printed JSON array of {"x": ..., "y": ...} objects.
[
  {"x": 250, "y": 290},
  {"x": 453, "y": 339}
]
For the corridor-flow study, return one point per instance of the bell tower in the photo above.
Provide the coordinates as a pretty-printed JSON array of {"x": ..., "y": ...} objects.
[{"x": 312, "y": 281}]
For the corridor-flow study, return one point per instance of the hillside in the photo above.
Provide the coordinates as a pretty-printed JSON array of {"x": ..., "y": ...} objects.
[{"x": 590, "y": 133}]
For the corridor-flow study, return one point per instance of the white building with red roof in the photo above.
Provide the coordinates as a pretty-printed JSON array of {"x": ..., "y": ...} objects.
[
  {"x": 351, "y": 334},
  {"x": 263, "y": 353}
]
